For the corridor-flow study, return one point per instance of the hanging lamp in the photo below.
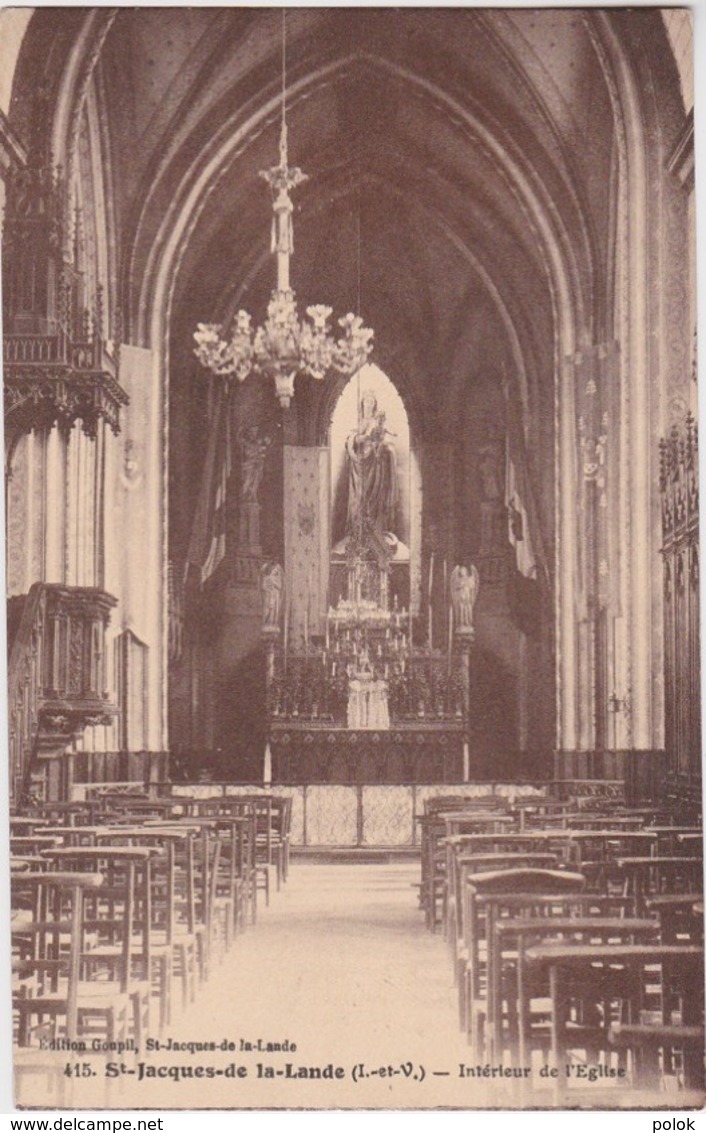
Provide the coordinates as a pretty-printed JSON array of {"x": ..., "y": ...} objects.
[{"x": 286, "y": 344}]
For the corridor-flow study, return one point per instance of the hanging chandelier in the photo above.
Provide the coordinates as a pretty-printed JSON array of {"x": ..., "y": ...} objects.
[{"x": 285, "y": 345}]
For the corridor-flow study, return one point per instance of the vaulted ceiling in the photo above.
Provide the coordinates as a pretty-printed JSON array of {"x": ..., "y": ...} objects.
[
  {"x": 455, "y": 156},
  {"x": 437, "y": 135}
]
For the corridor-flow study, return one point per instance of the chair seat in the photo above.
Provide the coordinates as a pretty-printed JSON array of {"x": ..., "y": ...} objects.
[
  {"x": 647, "y": 1034},
  {"x": 89, "y": 991},
  {"x": 93, "y": 991}
]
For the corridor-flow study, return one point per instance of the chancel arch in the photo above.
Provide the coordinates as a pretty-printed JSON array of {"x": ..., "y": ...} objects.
[{"x": 502, "y": 270}]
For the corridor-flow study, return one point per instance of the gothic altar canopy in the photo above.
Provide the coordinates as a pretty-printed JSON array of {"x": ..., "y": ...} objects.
[{"x": 360, "y": 678}]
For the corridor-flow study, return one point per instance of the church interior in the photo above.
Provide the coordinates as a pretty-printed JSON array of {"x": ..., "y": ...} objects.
[{"x": 352, "y": 530}]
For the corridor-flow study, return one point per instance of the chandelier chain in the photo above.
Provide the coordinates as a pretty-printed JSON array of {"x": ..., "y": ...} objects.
[{"x": 284, "y": 67}]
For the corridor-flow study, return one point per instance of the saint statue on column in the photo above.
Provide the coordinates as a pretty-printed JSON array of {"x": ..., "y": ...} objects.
[
  {"x": 253, "y": 448},
  {"x": 372, "y": 470},
  {"x": 272, "y": 586},
  {"x": 465, "y": 584}
]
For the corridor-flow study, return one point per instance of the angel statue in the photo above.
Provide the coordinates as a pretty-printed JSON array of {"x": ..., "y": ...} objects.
[
  {"x": 465, "y": 583},
  {"x": 272, "y": 586}
]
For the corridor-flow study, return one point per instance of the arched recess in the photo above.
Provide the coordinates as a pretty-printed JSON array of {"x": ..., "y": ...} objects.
[
  {"x": 641, "y": 95},
  {"x": 158, "y": 285},
  {"x": 395, "y": 443}
]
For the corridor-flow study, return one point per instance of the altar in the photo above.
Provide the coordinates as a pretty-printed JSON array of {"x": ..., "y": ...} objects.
[
  {"x": 362, "y": 686},
  {"x": 316, "y": 753},
  {"x": 363, "y": 702}
]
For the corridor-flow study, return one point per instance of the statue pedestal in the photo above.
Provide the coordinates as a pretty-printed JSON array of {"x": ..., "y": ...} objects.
[
  {"x": 248, "y": 553},
  {"x": 249, "y": 530},
  {"x": 270, "y": 638}
]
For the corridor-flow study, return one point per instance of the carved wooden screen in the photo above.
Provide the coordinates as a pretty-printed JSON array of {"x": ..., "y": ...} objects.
[{"x": 680, "y": 551}]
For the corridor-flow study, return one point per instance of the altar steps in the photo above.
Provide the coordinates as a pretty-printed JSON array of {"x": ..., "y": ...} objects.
[{"x": 355, "y": 855}]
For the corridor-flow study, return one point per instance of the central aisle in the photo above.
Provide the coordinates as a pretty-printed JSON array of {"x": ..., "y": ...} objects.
[{"x": 341, "y": 965}]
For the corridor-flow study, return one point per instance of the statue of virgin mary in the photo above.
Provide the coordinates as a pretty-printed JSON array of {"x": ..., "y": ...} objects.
[{"x": 372, "y": 471}]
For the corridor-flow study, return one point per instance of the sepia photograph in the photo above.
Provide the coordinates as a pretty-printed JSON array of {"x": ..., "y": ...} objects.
[{"x": 352, "y": 558}]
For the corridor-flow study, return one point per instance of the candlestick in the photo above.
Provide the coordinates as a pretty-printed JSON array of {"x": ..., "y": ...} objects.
[
  {"x": 309, "y": 589},
  {"x": 286, "y": 625}
]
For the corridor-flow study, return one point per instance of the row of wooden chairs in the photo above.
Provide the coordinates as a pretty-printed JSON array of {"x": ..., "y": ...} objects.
[
  {"x": 122, "y": 907},
  {"x": 576, "y": 939}
]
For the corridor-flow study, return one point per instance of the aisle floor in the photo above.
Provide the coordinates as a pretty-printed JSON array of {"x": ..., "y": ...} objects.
[{"x": 341, "y": 965}]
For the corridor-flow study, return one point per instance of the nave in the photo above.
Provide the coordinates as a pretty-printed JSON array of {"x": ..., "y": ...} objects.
[{"x": 537, "y": 935}]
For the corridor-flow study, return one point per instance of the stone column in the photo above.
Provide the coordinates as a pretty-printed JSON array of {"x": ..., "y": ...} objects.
[
  {"x": 135, "y": 528},
  {"x": 465, "y": 636}
]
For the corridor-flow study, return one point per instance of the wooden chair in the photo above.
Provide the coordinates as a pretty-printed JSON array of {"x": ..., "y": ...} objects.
[
  {"x": 265, "y": 852},
  {"x": 478, "y": 920},
  {"x": 117, "y": 921},
  {"x": 432, "y": 831},
  {"x": 605, "y": 984},
  {"x": 462, "y": 864},
  {"x": 269, "y": 848},
  {"x": 681, "y": 919},
  {"x": 51, "y": 998},
  {"x": 177, "y": 944},
  {"x": 644, "y": 876},
  {"x": 658, "y": 1049},
  {"x": 523, "y": 1002},
  {"x": 442, "y": 831}
]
